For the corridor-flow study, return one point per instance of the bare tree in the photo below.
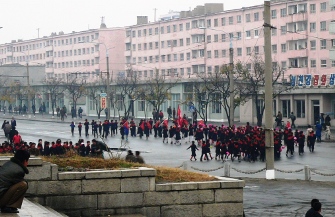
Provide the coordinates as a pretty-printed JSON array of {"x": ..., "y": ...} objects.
[
  {"x": 156, "y": 90},
  {"x": 55, "y": 87},
  {"x": 92, "y": 91},
  {"x": 127, "y": 89},
  {"x": 254, "y": 81},
  {"x": 75, "y": 89}
]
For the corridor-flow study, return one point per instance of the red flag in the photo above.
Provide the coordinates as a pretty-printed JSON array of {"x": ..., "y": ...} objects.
[
  {"x": 180, "y": 121},
  {"x": 185, "y": 122}
]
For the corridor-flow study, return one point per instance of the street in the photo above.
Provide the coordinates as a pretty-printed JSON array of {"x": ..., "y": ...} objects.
[{"x": 288, "y": 195}]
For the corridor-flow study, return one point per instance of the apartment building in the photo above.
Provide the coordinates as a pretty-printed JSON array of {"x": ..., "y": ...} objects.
[
  {"x": 198, "y": 41},
  {"x": 73, "y": 54}
]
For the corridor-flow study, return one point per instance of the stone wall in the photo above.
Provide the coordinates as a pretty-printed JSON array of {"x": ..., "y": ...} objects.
[{"x": 130, "y": 191}]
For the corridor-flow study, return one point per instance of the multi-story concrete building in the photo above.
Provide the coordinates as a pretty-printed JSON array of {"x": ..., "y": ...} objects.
[{"x": 199, "y": 41}]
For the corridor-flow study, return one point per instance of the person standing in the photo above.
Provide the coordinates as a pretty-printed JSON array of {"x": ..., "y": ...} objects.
[
  {"x": 311, "y": 141},
  {"x": 33, "y": 108},
  {"x": 292, "y": 117},
  {"x": 279, "y": 118},
  {"x": 12, "y": 183},
  {"x": 80, "y": 126},
  {"x": 72, "y": 125},
  {"x": 13, "y": 123},
  {"x": 327, "y": 120},
  {"x": 169, "y": 112},
  {"x": 173, "y": 113},
  {"x": 87, "y": 127},
  {"x": 193, "y": 148},
  {"x": 80, "y": 113}
]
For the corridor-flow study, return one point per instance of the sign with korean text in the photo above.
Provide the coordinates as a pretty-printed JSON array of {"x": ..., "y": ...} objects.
[{"x": 312, "y": 80}]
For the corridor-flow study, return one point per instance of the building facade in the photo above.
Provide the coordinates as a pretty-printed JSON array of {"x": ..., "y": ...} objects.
[{"x": 197, "y": 42}]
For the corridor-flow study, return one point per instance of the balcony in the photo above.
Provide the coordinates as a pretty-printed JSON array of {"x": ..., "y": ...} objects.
[
  {"x": 49, "y": 58},
  {"x": 292, "y": 54}
]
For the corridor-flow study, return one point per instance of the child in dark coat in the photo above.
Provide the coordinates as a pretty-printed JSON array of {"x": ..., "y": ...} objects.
[{"x": 193, "y": 148}]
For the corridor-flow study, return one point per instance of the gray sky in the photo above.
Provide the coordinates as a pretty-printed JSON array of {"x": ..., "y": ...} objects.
[{"x": 20, "y": 19}]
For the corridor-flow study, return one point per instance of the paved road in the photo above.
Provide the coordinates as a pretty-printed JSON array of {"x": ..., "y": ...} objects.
[{"x": 288, "y": 196}]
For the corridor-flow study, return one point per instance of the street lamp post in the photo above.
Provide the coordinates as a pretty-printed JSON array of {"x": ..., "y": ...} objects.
[
  {"x": 28, "y": 82},
  {"x": 231, "y": 84}
]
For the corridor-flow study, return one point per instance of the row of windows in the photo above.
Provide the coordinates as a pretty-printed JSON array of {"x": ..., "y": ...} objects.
[
  {"x": 24, "y": 58},
  {"x": 292, "y": 9},
  {"x": 65, "y": 53},
  {"x": 71, "y": 64}
]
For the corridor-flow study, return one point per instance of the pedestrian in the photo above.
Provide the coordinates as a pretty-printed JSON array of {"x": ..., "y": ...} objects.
[
  {"x": 33, "y": 108},
  {"x": 311, "y": 141},
  {"x": 72, "y": 125},
  {"x": 169, "y": 112},
  {"x": 12, "y": 183},
  {"x": 80, "y": 126},
  {"x": 278, "y": 119},
  {"x": 318, "y": 130},
  {"x": 139, "y": 159},
  {"x": 80, "y": 113},
  {"x": 193, "y": 148},
  {"x": 312, "y": 211},
  {"x": 301, "y": 142},
  {"x": 174, "y": 113},
  {"x": 87, "y": 127},
  {"x": 292, "y": 117},
  {"x": 204, "y": 151},
  {"x": 327, "y": 120}
]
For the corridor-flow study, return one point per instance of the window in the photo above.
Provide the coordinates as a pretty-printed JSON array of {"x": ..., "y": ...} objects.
[
  {"x": 168, "y": 29},
  {"x": 274, "y": 48},
  {"x": 175, "y": 57},
  {"x": 216, "y": 53},
  {"x": 175, "y": 100},
  {"x": 174, "y": 43},
  {"x": 323, "y": 6},
  {"x": 150, "y": 31},
  {"x": 231, "y": 20},
  {"x": 313, "y": 45},
  {"x": 188, "y": 56},
  {"x": 247, "y": 18},
  {"x": 224, "y": 53},
  {"x": 216, "y": 22},
  {"x": 223, "y": 37},
  {"x": 139, "y": 46},
  {"x": 181, "y": 57},
  {"x": 286, "y": 108},
  {"x": 323, "y": 25},
  {"x": 156, "y": 31},
  {"x": 216, "y": 38},
  {"x": 216, "y": 105},
  {"x": 174, "y": 28},
  {"x": 323, "y": 63},
  {"x": 239, "y": 51},
  {"x": 156, "y": 45},
  {"x": 323, "y": 44},
  {"x": 145, "y": 46},
  {"x": 188, "y": 26},
  {"x": 256, "y": 49},
  {"x": 248, "y": 50},
  {"x": 181, "y": 27},
  {"x": 209, "y": 69},
  {"x": 256, "y": 33},
  {"x": 169, "y": 57},
  {"x": 273, "y": 32},
  {"x": 333, "y": 63},
  {"x": 283, "y": 48},
  {"x": 239, "y": 18},
  {"x": 256, "y": 16},
  {"x": 248, "y": 67},
  {"x": 223, "y": 21},
  {"x": 283, "y": 12},
  {"x": 209, "y": 38},
  {"x": 162, "y": 30},
  {"x": 248, "y": 34},
  {"x": 157, "y": 58},
  {"x": 188, "y": 41},
  {"x": 312, "y": 27},
  {"x": 209, "y": 23},
  {"x": 300, "y": 108},
  {"x": 312, "y": 8},
  {"x": 283, "y": 65},
  {"x": 283, "y": 30},
  {"x": 209, "y": 54},
  {"x": 239, "y": 35},
  {"x": 273, "y": 14},
  {"x": 313, "y": 63},
  {"x": 162, "y": 44},
  {"x": 181, "y": 42},
  {"x": 181, "y": 71}
]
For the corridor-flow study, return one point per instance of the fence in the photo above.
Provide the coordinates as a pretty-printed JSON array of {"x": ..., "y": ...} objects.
[{"x": 227, "y": 168}]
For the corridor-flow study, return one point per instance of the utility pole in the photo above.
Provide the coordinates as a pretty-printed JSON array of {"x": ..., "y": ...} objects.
[
  {"x": 108, "y": 86},
  {"x": 28, "y": 85},
  {"x": 231, "y": 84},
  {"x": 269, "y": 143}
]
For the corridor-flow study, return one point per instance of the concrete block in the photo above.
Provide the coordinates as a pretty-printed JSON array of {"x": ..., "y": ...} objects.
[
  {"x": 127, "y": 211},
  {"x": 160, "y": 198},
  {"x": 209, "y": 185},
  {"x": 153, "y": 211},
  {"x": 39, "y": 172},
  {"x": 152, "y": 183},
  {"x": 72, "y": 213},
  {"x": 72, "y": 202},
  {"x": 35, "y": 161},
  {"x": 71, "y": 175},
  {"x": 32, "y": 188},
  {"x": 105, "y": 174},
  {"x": 163, "y": 187},
  {"x": 233, "y": 184},
  {"x": 184, "y": 186},
  {"x": 145, "y": 171},
  {"x": 228, "y": 195},
  {"x": 140, "y": 184},
  {"x": 101, "y": 186},
  {"x": 181, "y": 210},
  {"x": 131, "y": 173},
  {"x": 59, "y": 188},
  {"x": 107, "y": 201},
  {"x": 195, "y": 197},
  {"x": 54, "y": 171},
  {"x": 222, "y": 209}
]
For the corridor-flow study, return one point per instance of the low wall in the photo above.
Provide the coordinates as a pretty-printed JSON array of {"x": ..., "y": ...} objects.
[{"x": 130, "y": 191}]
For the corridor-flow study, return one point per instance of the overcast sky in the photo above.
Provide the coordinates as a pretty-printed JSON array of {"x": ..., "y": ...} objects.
[{"x": 20, "y": 19}]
